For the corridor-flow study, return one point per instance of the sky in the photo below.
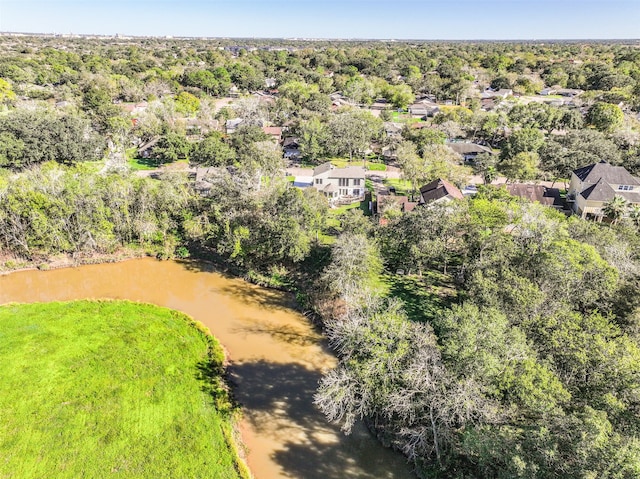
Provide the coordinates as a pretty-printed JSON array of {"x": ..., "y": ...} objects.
[{"x": 383, "y": 19}]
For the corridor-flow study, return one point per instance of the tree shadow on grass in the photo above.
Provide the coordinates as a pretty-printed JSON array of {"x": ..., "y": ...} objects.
[
  {"x": 423, "y": 298},
  {"x": 277, "y": 400}
]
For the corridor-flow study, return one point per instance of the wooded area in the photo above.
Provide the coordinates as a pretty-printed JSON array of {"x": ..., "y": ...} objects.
[{"x": 483, "y": 337}]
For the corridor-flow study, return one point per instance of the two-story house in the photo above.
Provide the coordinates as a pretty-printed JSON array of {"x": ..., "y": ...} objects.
[
  {"x": 340, "y": 185},
  {"x": 593, "y": 186}
]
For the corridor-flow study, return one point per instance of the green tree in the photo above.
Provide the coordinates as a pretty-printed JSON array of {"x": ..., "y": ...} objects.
[
  {"x": 172, "y": 146},
  {"x": 314, "y": 137},
  {"x": 6, "y": 93},
  {"x": 605, "y": 117},
  {"x": 523, "y": 140},
  {"x": 213, "y": 151},
  {"x": 523, "y": 166},
  {"x": 353, "y": 131},
  {"x": 615, "y": 208},
  {"x": 187, "y": 103}
]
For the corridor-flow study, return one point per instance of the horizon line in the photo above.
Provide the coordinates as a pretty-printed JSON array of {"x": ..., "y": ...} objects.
[{"x": 303, "y": 39}]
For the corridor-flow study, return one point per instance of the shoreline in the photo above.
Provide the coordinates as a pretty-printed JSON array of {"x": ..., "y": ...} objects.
[{"x": 68, "y": 261}]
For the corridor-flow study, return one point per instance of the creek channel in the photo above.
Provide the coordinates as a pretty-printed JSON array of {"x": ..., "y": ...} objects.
[{"x": 277, "y": 359}]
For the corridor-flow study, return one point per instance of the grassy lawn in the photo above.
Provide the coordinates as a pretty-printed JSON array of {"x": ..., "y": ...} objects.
[
  {"x": 403, "y": 187},
  {"x": 99, "y": 388},
  {"x": 142, "y": 164},
  {"x": 423, "y": 297},
  {"x": 344, "y": 162}
]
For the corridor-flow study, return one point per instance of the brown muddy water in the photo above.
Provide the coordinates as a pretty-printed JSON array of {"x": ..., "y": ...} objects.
[{"x": 277, "y": 359}]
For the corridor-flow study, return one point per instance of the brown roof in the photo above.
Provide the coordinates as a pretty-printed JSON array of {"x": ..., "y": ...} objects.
[
  {"x": 273, "y": 130},
  {"x": 402, "y": 201},
  {"x": 536, "y": 193},
  {"x": 438, "y": 189}
]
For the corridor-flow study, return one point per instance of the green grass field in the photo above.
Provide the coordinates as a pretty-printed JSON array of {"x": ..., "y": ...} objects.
[
  {"x": 98, "y": 389},
  {"x": 403, "y": 187},
  {"x": 142, "y": 164}
]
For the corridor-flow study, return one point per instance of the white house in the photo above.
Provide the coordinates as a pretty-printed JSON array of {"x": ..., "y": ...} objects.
[{"x": 340, "y": 185}]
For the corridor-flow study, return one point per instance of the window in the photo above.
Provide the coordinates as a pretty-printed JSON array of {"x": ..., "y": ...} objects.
[
  {"x": 356, "y": 182},
  {"x": 318, "y": 181},
  {"x": 625, "y": 188},
  {"x": 343, "y": 182},
  {"x": 344, "y": 192},
  {"x": 356, "y": 192}
]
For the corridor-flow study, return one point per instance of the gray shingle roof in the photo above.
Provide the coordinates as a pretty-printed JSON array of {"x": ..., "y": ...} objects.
[
  {"x": 466, "y": 148},
  {"x": 613, "y": 175},
  {"x": 323, "y": 168},
  {"x": 349, "y": 172}
]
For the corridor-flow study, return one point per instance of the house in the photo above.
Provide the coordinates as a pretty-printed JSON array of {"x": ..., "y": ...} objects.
[
  {"x": 338, "y": 100},
  {"x": 232, "y": 125},
  {"x": 145, "y": 149},
  {"x": 340, "y": 185},
  {"x": 274, "y": 132},
  {"x": 537, "y": 194},
  {"x": 387, "y": 206},
  {"x": 502, "y": 93},
  {"x": 291, "y": 147},
  {"x": 423, "y": 109},
  {"x": 388, "y": 201},
  {"x": 133, "y": 108},
  {"x": 592, "y": 186},
  {"x": 439, "y": 191},
  {"x": 469, "y": 151},
  {"x": 393, "y": 129},
  {"x": 570, "y": 92},
  {"x": 380, "y": 104}
]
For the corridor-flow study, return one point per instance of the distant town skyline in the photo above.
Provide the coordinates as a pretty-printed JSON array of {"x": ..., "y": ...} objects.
[{"x": 365, "y": 19}]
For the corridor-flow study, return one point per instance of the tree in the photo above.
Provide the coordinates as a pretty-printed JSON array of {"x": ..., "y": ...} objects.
[
  {"x": 6, "y": 93},
  {"x": 410, "y": 163},
  {"x": 615, "y": 208},
  {"x": 355, "y": 265},
  {"x": 187, "y": 103},
  {"x": 353, "y": 131},
  {"x": 213, "y": 151},
  {"x": 173, "y": 146},
  {"x": 314, "y": 138},
  {"x": 485, "y": 164},
  {"x": 32, "y": 137},
  {"x": 400, "y": 96},
  {"x": 634, "y": 215},
  {"x": 424, "y": 137},
  {"x": 523, "y": 166},
  {"x": 203, "y": 79},
  {"x": 523, "y": 140},
  {"x": 605, "y": 117},
  {"x": 560, "y": 155}
]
